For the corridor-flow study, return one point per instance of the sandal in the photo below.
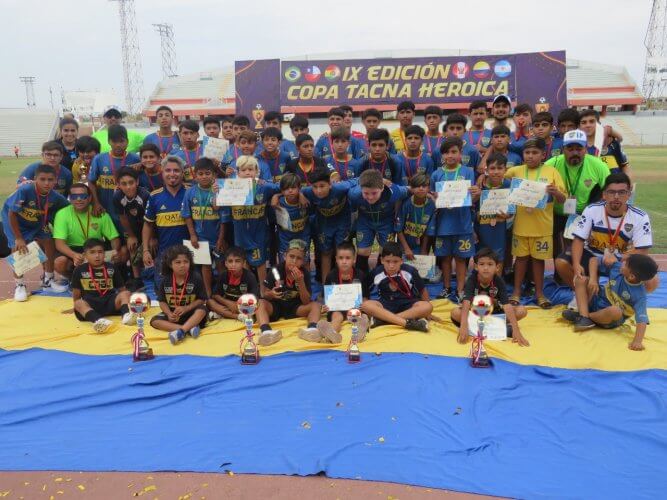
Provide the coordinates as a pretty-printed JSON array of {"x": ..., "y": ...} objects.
[
  {"x": 515, "y": 300},
  {"x": 544, "y": 303}
]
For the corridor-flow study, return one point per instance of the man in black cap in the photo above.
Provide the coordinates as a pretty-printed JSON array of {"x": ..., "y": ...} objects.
[{"x": 112, "y": 116}]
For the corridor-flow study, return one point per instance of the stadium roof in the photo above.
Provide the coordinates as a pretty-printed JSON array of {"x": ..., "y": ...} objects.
[{"x": 212, "y": 92}]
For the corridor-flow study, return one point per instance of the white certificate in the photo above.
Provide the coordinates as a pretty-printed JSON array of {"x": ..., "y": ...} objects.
[
  {"x": 453, "y": 194},
  {"x": 343, "y": 297},
  {"x": 495, "y": 326},
  {"x": 201, "y": 255},
  {"x": 424, "y": 264},
  {"x": 215, "y": 148},
  {"x": 22, "y": 263},
  {"x": 530, "y": 194},
  {"x": 234, "y": 192},
  {"x": 282, "y": 218},
  {"x": 494, "y": 201}
]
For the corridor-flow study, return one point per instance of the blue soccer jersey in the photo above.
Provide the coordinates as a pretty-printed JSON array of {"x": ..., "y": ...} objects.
[
  {"x": 165, "y": 144},
  {"x": 491, "y": 231},
  {"x": 150, "y": 181},
  {"x": 404, "y": 286},
  {"x": 324, "y": 147},
  {"x": 389, "y": 168},
  {"x": 629, "y": 297},
  {"x": 164, "y": 211},
  {"x": 63, "y": 177},
  {"x": 231, "y": 155},
  {"x": 332, "y": 215},
  {"x": 469, "y": 157},
  {"x": 103, "y": 172},
  {"x": 410, "y": 166},
  {"x": 190, "y": 156},
  {"x": 416, "y": 221},
  {"x": 554, "y": 148},
  {"x": 198, "y": 205},
  {"x": 376, "y": 220},
  {"x": 298, "y": 228},
  {"x": 272, "y": 169},
  {"x": 477, "y": 138},
  {"x": 453, "y": 221},
  {"x": 347, "y": 169},
  {"x": 289, "y": 148},
  {"x": 431, "y": 144}
]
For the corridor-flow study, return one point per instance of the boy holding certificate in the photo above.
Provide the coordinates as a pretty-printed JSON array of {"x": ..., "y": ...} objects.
[
  {"x": 403, "y": 298},
  {"x": 416, "y": 219},
  {"x": 533, "y": 226},
  {"x": 485, "y": 280},
  {"x": 492, "y": 228},
  {"x": 454, "y": 228},
  {"x": 297, "y": 216},
  {"x": 203, "y": 219}
]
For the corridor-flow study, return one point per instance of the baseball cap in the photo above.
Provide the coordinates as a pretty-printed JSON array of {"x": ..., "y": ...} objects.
[
  {"x": 502, "y": 97},
  {"x": 112, "y": 112},
  {"x": 575, "y": 137}
]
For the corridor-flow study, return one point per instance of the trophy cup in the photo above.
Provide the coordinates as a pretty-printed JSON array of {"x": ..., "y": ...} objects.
[
  {"x": 139, "y": 304},
  {"x": 353, "y": 354},
  {"x": 481, "y": 307},
  {"x": 258, "y": 116},
  {"x": 249, "y": 352}
]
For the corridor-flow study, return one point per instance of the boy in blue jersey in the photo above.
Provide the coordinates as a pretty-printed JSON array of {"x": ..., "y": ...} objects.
[
  {"x": 52, "y": 155},
  {"x": 27, "y": 216},
  {"x": 455, "y": 126},
  {"x": 342, "y": 162},
  {"x": 299, "y": 220},
  {"x": 371, "y": 119},
  {"x": 299, "y": 126},
  {"x": 239, "y": 124},
  {"x": 274, "y": 119},
  {"x": 624, "y": 295},
  {"x": 523, "y": 116},
  {"x": 416, "y": 219},
  {"x": 611, "y": 152},
  {"x": 165, "y": 139},
  {"x": 306, "y": 163},
  {"x": 413, "y": 159},
  {"x": 272, "y": 159},
  {"x": 379, "y": 158},
  {"x": 150, "y": 175},
  {"x": 500, "y": 140},
  {"x": 543, "y": 124},
  {"x": 433, "y": 137},
  {"x": 246, "y": 143},
  {"x": 454, "y": 228},
  {"x": 203, "y": 219},
  {"x": 478, "y": 135},
  {"x": 492, "y": 228},
  {"x": 332, "y": 214},
  {"x": 374, "y": 201},
  {"x": 324, "y": 145},
  {"x": 403, "y": 298},
  {"x": 191, "y": 150},
  {"x": 103, "y": 171}
]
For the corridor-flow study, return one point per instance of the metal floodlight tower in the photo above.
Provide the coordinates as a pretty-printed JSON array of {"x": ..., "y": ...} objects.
[
  {"x": 654, "y": 85},
  {"x": 132, "y": 71},
  {"x": 29, "y": 82},
  {"x": 168, "y": 49}
]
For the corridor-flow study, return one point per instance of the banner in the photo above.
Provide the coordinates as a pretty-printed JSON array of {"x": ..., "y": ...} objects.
[{"x": 257, "y": 89}]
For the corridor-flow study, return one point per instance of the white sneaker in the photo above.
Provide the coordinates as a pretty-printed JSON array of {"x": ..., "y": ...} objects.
[
  {"x": 328, "y": 333},
  {"x": 212, "y": 316},
  {"x": 573, "y": 304},
  {"x": 129, "y": 318},
  {"x": 310, "y": 335},
  {"x": 20, "y": 293},
  {"x": 269, "y": 337},
  {"x": 102, "y": 325},
  {"x": 53, "y": 285}
]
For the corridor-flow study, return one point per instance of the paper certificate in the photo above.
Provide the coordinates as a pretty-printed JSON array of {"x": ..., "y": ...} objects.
[
  {"x": 495, "y": 201},
  {"x": 495, "y": 326},
  {"x": 453, "y": 194},
  {"x": 530, "y": 194},
  {"x": 424, "y": 264},
  {"x": 282, "y": 218},
  {"x": 201, "y": 255},
  {"x": 235, "y": 192},
  {"x": 22, "y": 263},
  {"x": 215, "y": 148},
  {"x": 343, "y": 297}
]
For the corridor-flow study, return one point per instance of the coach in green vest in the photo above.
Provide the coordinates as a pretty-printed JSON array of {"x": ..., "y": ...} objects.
[{"x": 112, "y": 116}]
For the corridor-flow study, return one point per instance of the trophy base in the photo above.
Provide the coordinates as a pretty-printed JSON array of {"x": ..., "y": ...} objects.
[
  {"x": 353, "y": 356},
  {"x": 250, "y": 359},
  {"x": 483, "y": 362},
  {"x": 144, "y": 355}
]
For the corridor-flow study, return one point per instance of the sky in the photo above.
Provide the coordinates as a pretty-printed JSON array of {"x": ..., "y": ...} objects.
[{"x": 75, "y": 44}]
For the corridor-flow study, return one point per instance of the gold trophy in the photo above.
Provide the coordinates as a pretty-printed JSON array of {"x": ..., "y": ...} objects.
[
  {"x": 353, "y": 353},
  {"x": 139, "y": 304},
  {"x": 249, "y": 351},
  {"x": 258, "y": 115},
  {"x": 481, "y": 306}
]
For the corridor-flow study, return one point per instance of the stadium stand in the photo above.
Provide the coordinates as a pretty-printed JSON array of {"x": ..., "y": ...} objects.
[{"x": 26, "y": 128}]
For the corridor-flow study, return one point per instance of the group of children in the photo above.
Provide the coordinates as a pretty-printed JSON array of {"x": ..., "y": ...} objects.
[{"x": 341, "y": 188}]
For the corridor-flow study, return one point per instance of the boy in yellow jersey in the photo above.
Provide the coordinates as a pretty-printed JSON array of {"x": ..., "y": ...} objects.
[{"x": 405, "y": 112}]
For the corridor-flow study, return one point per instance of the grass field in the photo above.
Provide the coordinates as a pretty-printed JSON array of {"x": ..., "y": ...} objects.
[{"x": 647, "y": 164}]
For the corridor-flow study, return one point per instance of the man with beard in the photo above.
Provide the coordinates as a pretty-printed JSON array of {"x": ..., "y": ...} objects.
[{"x": 113, "y": 116}]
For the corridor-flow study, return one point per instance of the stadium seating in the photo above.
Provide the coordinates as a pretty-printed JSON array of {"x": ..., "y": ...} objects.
[{"x": 26, "y": 128}]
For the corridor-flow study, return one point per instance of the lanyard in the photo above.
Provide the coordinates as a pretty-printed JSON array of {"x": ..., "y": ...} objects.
[
  {"x": 340, "y": 277},
  {"x": 549, "y": 148},
  {"x": 428, "y": 143},
  {"x": 343, "y": 174},
  {"x": 569, "y": 181},
  {"x": 187, "y": 154},
  {"x": 331, "y": 150},
  {"x": 122, "y": 162},
  {"x": 174, "y": 289},
  {"x": 418, "y": 215},
  {"x": 456, "y": 173},
  {"x": 537, "y": 177},
  {"x": 150, "y": 180},
  {"x": 46, "y": 206},
  {"x": 613, "y": 238},
  {"x": 383, "y": 166},
  {"x": 303, "y": 171},
  {"x": 94, "y": 281},
  {"x": 78, "y": 219},
  {"x": 406, "y": 161},
  {"x": 479, "y": 139},
  {"x": 170, "y": 144},
  {"x": 399, "y": 285}
]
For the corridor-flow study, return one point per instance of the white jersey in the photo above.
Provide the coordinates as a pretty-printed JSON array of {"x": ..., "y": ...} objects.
[{"x": 635, "y": 230}]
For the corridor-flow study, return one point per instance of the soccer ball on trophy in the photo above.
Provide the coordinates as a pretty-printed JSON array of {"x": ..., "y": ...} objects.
[
  {"x": 247, "y": 304},
  {"x": 481, "y": 306}
]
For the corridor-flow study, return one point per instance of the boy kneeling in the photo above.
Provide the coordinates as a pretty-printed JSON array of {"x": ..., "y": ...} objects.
[
  {"x": 484, "y": 280},
  {"x": 98, "y": 290},
  {"x": 404, "y": 300}
]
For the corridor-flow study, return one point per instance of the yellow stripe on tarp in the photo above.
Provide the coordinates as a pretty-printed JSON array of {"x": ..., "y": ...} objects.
[{"x": 40, "y": 322}]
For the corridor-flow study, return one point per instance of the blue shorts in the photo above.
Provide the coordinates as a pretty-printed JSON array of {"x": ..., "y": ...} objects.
[
  {"x": 330, "y": 238},
  {"x": 32, "y": 234},
  {"x": 459, "y": 245},
  {"x": 255, "y": 256},
  {"x": 367, "y": 232},
  {"x": 600, "y": 302},
  {"x": 398, "y": 306}
]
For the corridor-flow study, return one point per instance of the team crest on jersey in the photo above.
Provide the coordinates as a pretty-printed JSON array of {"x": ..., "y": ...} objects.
[
  {"x": 626, "y": 294},
  {"x": 393, "y": 287},
  {"x": 162, "y": 207},
  {"x": 465, "y": 159},
  {"x": 61, "y": 182},
  {"x": 334, "y": 201},
  {"x": 604, "y": 151},
  {"x": 383, "y": 206},
  {"x": 259, "y": 197},
  {"x": 105, "y": 170},
  {"x": 95, "y": 226},
  {"x": 588, "y": 182},
  {"x": 486, "y": 141},
  {"x": 628, "y": 227},
  {"x": 30, "y": 203}
]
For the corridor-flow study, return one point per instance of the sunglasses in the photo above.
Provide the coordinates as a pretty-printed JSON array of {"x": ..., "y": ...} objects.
[{"x": 75, "y": 197}]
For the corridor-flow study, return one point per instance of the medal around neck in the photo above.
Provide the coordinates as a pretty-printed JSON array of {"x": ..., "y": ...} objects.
[
  {"x": 353, "y": 353},
  {"x": 249, "y": 351},
  {"x": 139, "y": 304},
  {"x": 481, "y": 307}
]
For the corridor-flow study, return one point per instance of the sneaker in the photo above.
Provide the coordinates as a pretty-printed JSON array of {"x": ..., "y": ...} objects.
[
  {"x": 418, "y": 325},
  {"x": 310, "y": 335},
  {"x": 212, "y": 316},
  {"x": 53, "y": 285},
  {"x": 509, "y": 331},
  {"x": 194, "y": 332},
  {"x": 269, "y": 337},
  {"x": 328, "y": 333},
  {"x": 573, "y": 304},
  {"x": 375, "y": 322},
  {"x": 583, "y": 324},
  {"x": 364, "y": 323},
  {"x": 129, "y": 318},
  {"x": 175, "y": 336},
  {"x": 571, "y": 315},
  {"x": 20, "y": 293},
  {"x": 102, "y": 325},
  {"x": 445, "y": 293},
  {"x": 456, "y": 297}
]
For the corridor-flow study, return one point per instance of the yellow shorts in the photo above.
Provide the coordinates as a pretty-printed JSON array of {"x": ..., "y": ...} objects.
[{"x": 538, "y": 247}]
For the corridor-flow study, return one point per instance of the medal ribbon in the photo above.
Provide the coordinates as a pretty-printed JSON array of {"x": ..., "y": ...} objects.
[
  {"x": 174, "y": 289},
  {"x": 94, "y": 281}
]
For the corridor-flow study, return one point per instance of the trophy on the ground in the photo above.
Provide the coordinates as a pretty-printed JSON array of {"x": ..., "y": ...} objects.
[
  {"x": 139, "y": 304},
  {"x": 249, "y": 352},
  {"x": 481, "y": 307},
  {"x": 353, "y": 353}
]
